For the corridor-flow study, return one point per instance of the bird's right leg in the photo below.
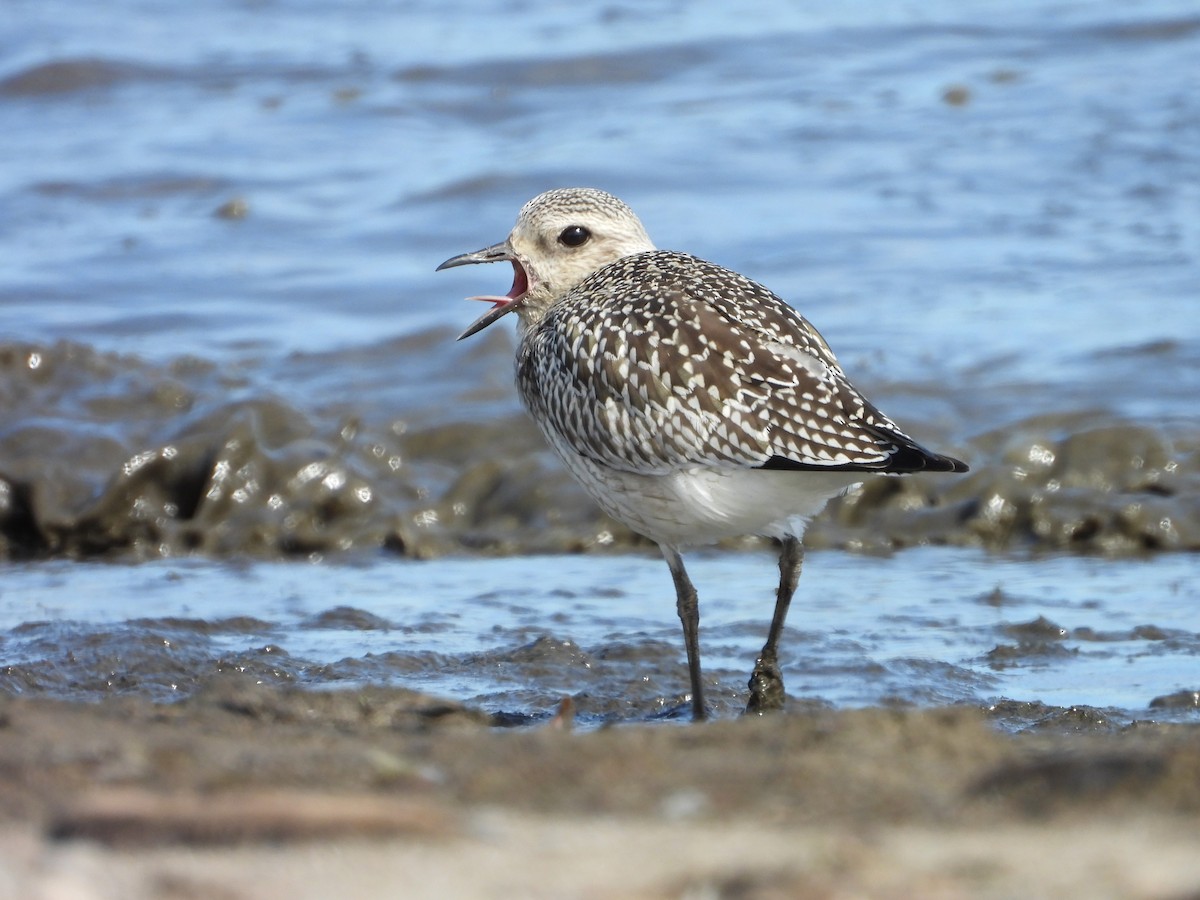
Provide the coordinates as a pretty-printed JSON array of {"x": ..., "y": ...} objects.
[
  {"x": 766, "y": 681},
  {"x": 688, "y": 606}
]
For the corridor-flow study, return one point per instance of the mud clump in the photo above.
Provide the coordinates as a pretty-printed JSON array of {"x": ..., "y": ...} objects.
[
  {"x": 104, "y": 455},
  {"x": 1116, "y": 488}
]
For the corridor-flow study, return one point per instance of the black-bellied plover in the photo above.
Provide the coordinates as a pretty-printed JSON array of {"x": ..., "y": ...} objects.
[{"x": 691, "y": 402}]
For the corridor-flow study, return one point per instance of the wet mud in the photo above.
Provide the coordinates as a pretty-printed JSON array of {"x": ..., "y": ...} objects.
[
  {"x": 216, "y": 344},
  {"x": 111, "y": 456}
]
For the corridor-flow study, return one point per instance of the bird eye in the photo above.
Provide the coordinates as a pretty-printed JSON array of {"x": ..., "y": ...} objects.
[{"x": 574, "y": 236}]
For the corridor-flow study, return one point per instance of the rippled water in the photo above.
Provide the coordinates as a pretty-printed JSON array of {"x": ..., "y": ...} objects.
[
  {"x": 221, "y": 336},
  {"x": 1051, "y": 206}
]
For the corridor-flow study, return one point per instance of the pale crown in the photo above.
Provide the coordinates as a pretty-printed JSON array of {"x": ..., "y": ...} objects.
[{"x": 562, "y": 236}]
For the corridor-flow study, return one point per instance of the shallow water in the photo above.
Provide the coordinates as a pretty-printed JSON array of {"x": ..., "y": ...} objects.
[
  {"x": 923, "y": 627},
  {"x": 1050, "y": 208},
  {"x": 221, "y": 337}
]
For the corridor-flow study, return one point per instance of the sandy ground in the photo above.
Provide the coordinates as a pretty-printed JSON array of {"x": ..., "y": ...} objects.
[{"x": 255, "y": 792}]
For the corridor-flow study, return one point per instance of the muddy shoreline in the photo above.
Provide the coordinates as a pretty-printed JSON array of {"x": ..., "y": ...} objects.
[
  {"x": 227, "y": 793},
  {"x": 107, "y": 456}
]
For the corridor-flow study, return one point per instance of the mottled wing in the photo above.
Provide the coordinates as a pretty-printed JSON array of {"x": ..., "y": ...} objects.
[{"x": 662, "y": 360}]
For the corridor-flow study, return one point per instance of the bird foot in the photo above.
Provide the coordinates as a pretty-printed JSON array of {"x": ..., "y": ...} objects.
[{"x": 766, "y": 687}]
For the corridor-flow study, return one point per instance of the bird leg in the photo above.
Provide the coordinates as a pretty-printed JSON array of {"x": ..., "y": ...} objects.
[
  {"x": 766, "y": 681},
  {"x": 688, "y": 606}
]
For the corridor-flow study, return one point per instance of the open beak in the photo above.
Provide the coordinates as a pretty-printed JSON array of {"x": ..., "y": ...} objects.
[{"x": 501, "y": 305}]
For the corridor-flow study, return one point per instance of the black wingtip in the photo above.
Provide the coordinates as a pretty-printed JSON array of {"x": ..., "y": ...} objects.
[
  {"x": 906, "y": 460},
  {"x": 956, "y": 465},
  {"x": 910, "y": 458}
]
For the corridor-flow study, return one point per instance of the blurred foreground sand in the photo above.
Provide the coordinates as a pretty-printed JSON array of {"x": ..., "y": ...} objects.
[{"x": 255, "y": 792}]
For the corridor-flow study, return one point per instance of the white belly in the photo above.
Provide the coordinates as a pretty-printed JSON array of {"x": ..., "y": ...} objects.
[{"x": 702, "y": 505}]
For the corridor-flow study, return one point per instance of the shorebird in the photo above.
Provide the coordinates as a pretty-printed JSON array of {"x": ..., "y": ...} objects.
[{"x": 690, "y": 402}]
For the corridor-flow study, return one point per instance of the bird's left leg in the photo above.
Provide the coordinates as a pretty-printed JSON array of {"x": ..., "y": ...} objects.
[{"x": 766, "y": 681}]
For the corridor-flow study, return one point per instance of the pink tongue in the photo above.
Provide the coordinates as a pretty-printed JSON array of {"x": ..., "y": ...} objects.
[
  {"x": 492, "y": 299},
  {"x": 519, "y": 286}
]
